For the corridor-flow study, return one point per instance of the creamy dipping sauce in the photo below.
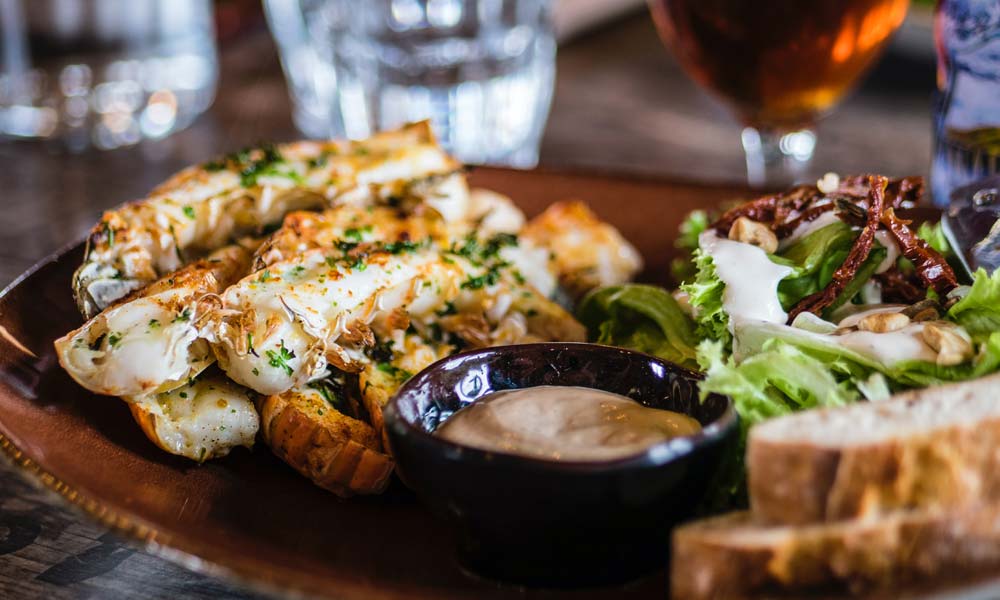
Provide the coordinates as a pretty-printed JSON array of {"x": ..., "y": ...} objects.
[{"x": 563, "y": 423}]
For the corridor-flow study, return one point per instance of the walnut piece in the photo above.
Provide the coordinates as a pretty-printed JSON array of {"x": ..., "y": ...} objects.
[
  {"x": 884, "y": 322},
  {"x": 952, "y": 347},
  {"x": 749, "y": 231}
]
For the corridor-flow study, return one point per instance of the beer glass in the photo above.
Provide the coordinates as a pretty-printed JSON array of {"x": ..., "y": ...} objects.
[{"x": 778, "y": 64}]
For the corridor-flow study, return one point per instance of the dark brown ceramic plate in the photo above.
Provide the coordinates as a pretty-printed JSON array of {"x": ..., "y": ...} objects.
[{"x": 249, "y": 516}]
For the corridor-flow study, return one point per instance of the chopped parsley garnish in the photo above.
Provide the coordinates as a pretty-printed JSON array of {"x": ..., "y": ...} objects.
[
  {"x": 498, "y": 241},
  {"x": 394, "y": 371},
  {"x": 279, "y": 359},
  {"x": 357, "y": 233},
  {"x": 327, "y": 390},
  {"x": 189, "y": 211},
  {"x": 297, "y": 270},
  {"x": 478, "y": 282},
  {"x": 485, "y": 254},
  {"x": 404, "y": 246},
  {"x": 113, "y": 338},
  {"x": 346, "y": 246},
  {"x": 183, "y": 317},
  {"x": 253, "y": 163},
  {"x": 449, "y": 309},
  {"x": 320, "y": 160},
  {"x": 110, "y": 233},
  {"x": 264, "y": 277},
  {"x": 250, "y": 349},
  {"x": 153, "y": 324},
  {"x": 255, "y": 371},
  {"x": 183, "y": 394},
  {"x": 479, "y": 253}
]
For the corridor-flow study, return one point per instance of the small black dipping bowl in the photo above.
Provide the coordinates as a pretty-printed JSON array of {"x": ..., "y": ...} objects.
[{"x": 549, "y": 523}]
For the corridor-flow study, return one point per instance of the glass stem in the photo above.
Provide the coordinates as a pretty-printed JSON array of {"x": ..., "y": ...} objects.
[{"x": 777, "y": 158}]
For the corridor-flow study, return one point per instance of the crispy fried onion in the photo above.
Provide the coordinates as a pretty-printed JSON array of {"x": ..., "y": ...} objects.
[
  {"x": 931, "y": 267},
  {"x": 783, "y": 213},
  {"x": 862, "y": 246}
]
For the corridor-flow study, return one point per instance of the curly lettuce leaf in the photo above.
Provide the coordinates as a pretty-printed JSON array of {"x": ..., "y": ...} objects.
[
  {"x": 705, "y": 295},
  {"x": 933, "y": 234},
  {"x": 640, "y": 317},
  {"x": 849, "y": 365},
  {"x": 979, "y": 310},
  {"x": 776, "y": 381},
  {"x": 682, "y": 268}
]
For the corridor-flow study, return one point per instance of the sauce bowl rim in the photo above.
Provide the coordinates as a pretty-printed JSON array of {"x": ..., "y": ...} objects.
[{"x": 655, "y": 456}]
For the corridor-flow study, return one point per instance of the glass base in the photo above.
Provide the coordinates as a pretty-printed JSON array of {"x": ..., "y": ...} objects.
[{"x": 777, "y": 158}]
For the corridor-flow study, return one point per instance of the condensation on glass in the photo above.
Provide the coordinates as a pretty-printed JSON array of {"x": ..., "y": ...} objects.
[
  {"x": 481, "y": 70},
  {"x": 104, "y": 73}
]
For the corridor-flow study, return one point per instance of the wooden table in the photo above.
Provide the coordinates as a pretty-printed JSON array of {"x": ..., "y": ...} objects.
[{"x": 621, "y": 104}]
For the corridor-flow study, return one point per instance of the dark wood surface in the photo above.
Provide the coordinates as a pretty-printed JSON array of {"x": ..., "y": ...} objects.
[{"x": 621, "y": 104}]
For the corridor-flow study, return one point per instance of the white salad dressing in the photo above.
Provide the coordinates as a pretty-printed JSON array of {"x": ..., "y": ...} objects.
[
  {"x": 887, "y": 348},
  {"x": 890, "y": 347},
  {"x": 751, "y": 279},
  {"x": 804, "y": 229}
]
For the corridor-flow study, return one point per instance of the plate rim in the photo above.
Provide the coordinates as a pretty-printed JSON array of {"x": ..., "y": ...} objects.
[{"x": 136, "y": 532}]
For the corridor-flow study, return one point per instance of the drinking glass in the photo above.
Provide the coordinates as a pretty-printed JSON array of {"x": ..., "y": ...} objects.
[
  {"x": 778, "y": 64},
  {"x": 104, "y": 73},
  {"x": 481, "y": 70}
]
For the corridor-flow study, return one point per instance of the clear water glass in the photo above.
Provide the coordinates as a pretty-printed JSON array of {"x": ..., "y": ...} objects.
[
  {"x": 104, "y": 73},
  {"x": 481, "y": 70}
]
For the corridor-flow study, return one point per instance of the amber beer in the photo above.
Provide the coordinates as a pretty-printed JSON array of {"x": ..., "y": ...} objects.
[{"x": 780, "y": 63}]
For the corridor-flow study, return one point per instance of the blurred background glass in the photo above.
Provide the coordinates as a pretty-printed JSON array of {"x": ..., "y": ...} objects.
[
  {"x": 481, "y": 70},
  {"x": 967, "y": 115},
  {"x": 778, "y": 64},
  {"x": 104, "y": 73}
]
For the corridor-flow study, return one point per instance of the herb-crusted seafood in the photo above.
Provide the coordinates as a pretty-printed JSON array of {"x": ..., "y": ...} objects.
[
  {"x": 378, "y": 260},
  {"x": 204, "y": 207}
]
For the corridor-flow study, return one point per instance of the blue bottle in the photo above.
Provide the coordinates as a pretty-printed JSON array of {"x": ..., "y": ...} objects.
[{"x": 967, "y": 107}]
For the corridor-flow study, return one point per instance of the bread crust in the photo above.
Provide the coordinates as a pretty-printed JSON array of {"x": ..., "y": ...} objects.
[
  {"x": 337, "y": 452},
  {"x": 949, "y": 465},
  {"x": 734, "y": 556}
]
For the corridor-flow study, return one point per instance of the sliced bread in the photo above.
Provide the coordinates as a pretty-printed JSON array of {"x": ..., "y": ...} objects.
[
  {"x": 734, "y": 556},
  {"x": 938, "y": 447}
]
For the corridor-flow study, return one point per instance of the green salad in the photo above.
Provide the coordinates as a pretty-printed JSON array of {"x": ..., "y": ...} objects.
[{"x": 816, "y": 297}]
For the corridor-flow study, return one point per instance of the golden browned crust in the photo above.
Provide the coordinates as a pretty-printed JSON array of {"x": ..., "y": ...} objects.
[
  {"x": 337, "y": 452},
  {"x": 733, "y": 556},
  {"x": 948, "y": 465}
]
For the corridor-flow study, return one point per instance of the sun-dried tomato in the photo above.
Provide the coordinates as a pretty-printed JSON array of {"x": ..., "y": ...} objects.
[
  {"x": 860, "y": 249},
  {"x": 932, "y": 268},
  {"x": 899, "y": 193},
  {"x": 899, "y": 287},
  {"x": 767, "y": 209},
  {"x": 785, "y": 228},
  {"x": 784, "y": 212}
]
